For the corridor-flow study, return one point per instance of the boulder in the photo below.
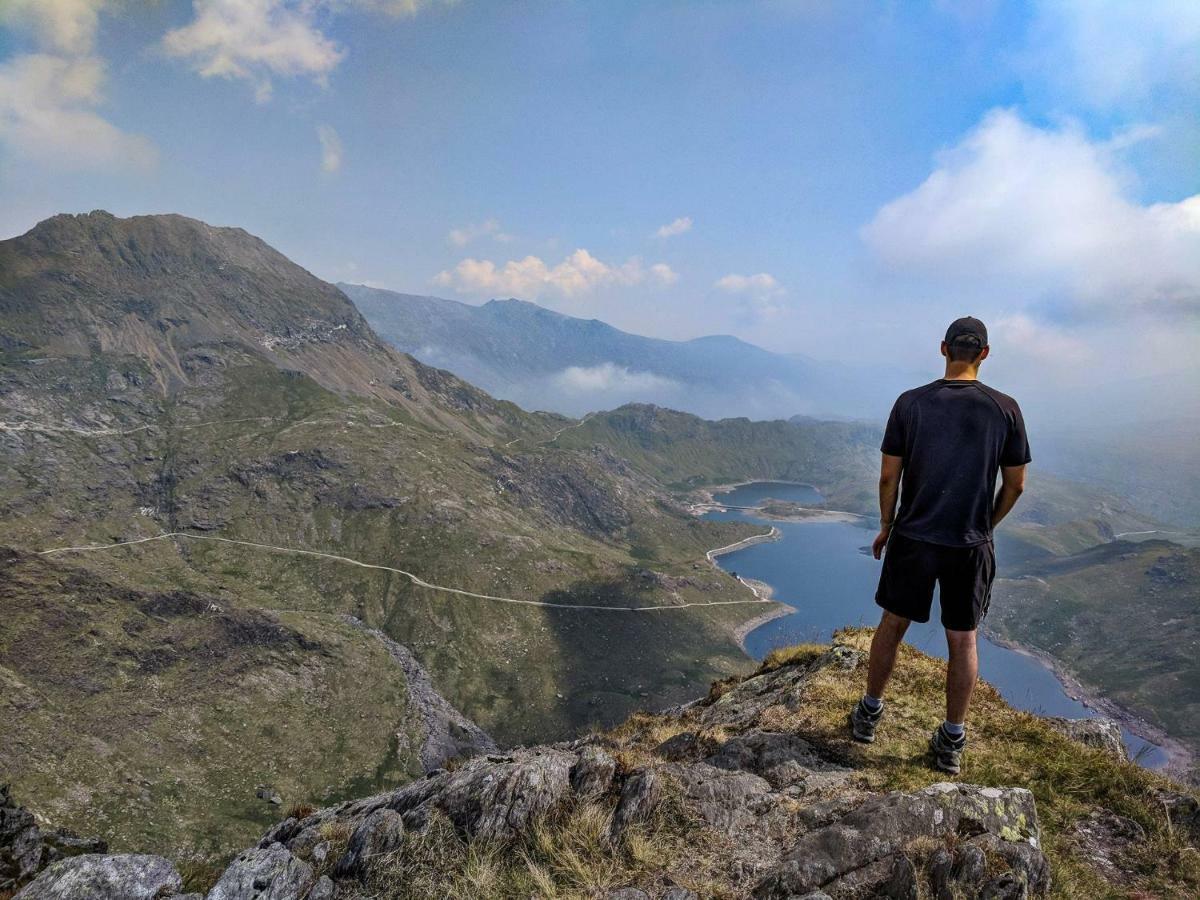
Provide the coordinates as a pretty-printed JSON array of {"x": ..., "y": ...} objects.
[
  {"x": 97, "y": 877},
  {"x": 379, "y": 833},
  {"x": 270, "y": 873},
  {"x": 1103, "y": 734},
  {"x": 628, "y": 893},
  {"x": 728, "y": 801},
  {"x": 593, "y": 774},
  {"x": 497, "y": 798},
  {"x": 640, "y": 796},
  {"x": 679, "y": 893},
  {"x": 782, "y": 759},
  {"x": 884, "y": 825},
  {"x": 25, "y": 849},
  {"x": 20, "y": 843}
]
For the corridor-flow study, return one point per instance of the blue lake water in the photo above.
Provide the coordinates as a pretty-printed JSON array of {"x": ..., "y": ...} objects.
[{"x": 821, "y": 569}]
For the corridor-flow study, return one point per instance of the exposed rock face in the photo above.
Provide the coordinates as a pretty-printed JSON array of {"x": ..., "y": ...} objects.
[
  {"x": 26, "y": 850},
  {"x": 96, "y": 877},
  {"x": 881, "y": 827},
  {"x": 448, "y": 733},
  {"x": 1104, "y": 734},
  {"x": 264, "y": 873}
]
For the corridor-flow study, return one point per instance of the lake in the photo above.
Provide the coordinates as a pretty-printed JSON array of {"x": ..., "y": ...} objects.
[{"x": 819, "y": 567}]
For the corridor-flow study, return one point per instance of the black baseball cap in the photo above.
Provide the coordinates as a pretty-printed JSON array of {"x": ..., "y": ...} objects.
[{"x": 967, "y": 330}]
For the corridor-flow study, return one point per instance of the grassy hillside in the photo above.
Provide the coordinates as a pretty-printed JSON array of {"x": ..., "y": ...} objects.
[
  {"x": 684, "y": 451},
  {"x": 1122, "y": 617},
  {"x": 159, "y": 376}
]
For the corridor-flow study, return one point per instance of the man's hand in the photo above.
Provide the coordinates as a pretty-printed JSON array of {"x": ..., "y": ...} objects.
[{"x": 880, "y": 541}]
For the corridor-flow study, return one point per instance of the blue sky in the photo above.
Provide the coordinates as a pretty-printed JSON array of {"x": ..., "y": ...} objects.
[{"x": 811, "y": 176}]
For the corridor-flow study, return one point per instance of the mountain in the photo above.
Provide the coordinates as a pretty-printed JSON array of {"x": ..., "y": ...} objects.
[
  {"x": 755, "y": 790},
  {"x": 542, "y": 359},
  {"x": 251, "y": 548}
]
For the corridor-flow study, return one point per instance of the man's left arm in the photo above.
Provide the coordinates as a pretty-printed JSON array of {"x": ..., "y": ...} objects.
[{"x": 1012, "y": 485}]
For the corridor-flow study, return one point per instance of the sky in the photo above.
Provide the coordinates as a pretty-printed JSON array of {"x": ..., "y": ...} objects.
[{"x": 834, "y": 179}]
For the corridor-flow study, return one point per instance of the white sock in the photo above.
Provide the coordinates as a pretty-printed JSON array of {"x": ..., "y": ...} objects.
[
  {"x": 873, "y": 704},
  {"x": 954, "y": 729}
]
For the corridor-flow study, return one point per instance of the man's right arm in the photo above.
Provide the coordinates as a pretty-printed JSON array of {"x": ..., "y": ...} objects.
[{"x": 1012, "y": 485}]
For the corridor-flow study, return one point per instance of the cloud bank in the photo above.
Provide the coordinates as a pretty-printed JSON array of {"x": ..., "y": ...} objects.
[
  {"x": 1044, "y": 211},
  {"x": 531, "y": 277},
  {"x": 49, "y": 100}
]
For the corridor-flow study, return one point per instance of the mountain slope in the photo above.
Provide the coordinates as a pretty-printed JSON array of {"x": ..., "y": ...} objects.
[
  {"x": 1121, "y": 616},
  {"x": 545, "y": 360},
  {"x": 219, "y": 424}
]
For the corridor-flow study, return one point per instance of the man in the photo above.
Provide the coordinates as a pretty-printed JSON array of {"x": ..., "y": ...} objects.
[{"x": 948, "y": 439}]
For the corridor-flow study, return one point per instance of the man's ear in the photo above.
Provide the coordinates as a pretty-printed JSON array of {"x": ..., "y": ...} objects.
[
  {"x": 943, "y": 348},
  {"x": 984, "y": 354}
]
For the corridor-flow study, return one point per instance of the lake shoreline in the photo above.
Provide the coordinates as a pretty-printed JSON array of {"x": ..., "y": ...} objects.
[
  {"x": 706, "y": 502},
  {"x": 1180, "y": 758},
  {"x": 744, "y": 630}
]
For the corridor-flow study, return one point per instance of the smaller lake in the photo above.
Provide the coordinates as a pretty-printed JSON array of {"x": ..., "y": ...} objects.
[{"x": 821, "y": 569}]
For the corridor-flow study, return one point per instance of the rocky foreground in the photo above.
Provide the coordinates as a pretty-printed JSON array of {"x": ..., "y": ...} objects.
[{"x": 751, "y": 792}]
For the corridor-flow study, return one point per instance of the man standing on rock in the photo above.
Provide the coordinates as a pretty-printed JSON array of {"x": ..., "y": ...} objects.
[{"x": 948, "y": 439}]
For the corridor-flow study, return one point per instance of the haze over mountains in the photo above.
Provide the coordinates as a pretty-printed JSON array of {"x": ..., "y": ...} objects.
[
  {"x": 1109, "y": 435},
  {"x": 541, "y": 359}
]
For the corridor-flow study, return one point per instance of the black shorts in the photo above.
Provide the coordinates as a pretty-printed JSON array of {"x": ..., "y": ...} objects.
[{"x": 964, "y": 575}]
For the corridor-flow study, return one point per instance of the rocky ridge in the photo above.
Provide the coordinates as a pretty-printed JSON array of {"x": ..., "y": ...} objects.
[{"x": 762, "y": 812}]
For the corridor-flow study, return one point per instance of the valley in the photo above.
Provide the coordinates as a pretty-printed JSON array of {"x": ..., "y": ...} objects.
[{"x": 254, "y": 557}]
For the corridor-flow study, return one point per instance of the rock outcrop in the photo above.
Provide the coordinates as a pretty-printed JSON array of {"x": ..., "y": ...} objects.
[
  {"x": 25, "y": 849},
  {"x": 770, "y": 814},
  {"x": 1103, "y": 734}
]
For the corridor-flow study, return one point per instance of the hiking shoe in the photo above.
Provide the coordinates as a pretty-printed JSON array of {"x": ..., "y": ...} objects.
[
  {"x": 947, "y": 751},
  {"x": 863, "y": 723}
]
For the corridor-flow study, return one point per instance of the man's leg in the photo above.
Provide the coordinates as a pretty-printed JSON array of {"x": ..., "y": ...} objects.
[
  {"x": 884, "y": 646},
  {"x": 961, "y": 674},
  {"x": 866, "y": 715}
]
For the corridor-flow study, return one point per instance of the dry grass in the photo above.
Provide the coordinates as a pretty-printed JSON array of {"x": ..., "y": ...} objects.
[
  {"x": 568, "y": 856},
  {"x": 1006, "y": 747}
]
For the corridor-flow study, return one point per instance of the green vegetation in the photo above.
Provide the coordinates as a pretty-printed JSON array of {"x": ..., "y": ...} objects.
[{"x": 1122, "y": 617}]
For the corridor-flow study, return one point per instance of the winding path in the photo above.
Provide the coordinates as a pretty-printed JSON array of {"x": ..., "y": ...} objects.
[{"x": 415, "y": 579}]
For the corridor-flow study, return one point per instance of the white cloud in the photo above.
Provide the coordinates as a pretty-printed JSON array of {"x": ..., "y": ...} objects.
[
  {"x": 761, "y": 294},
  {"x": 1113, "y": 52},
  {"x": 608, "y": 377},
  {"x": 48, "y": 101},
  {"x": 65, "y": 26},
  {"x": 663, "y": 274},
  {"x": 679, "y": 226},
  {"x": 1043, "y": 212},
  {"x": 399, "y": 7},
  {"x": 254, "y": 39},
  {"x": 761, "y": 284},
  {"x": 460, "y": 237},
  {"x": 331, "y": 148},
  {"x": 1020, "y": 335},
  {"x": 578, "y": 274}
]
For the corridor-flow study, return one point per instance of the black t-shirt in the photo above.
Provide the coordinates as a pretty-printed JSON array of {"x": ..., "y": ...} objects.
[{"x": 954, "y": 437}]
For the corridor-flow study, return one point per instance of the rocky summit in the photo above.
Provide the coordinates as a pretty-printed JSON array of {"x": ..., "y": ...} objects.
[{"x": 753, "y": 791}]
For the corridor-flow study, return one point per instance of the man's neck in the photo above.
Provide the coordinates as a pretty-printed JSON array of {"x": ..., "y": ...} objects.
[{"x": 961, "y": 372}]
